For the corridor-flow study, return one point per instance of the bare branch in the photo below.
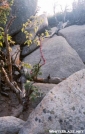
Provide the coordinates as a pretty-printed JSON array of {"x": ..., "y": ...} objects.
[
  {"x": 7, "y": 47},
  {"x": 10, "y": 22},
  {"x": 11, "y": 85}
]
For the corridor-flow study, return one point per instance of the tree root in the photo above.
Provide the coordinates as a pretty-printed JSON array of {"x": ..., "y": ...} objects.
[{"x": 13, "y": 86}]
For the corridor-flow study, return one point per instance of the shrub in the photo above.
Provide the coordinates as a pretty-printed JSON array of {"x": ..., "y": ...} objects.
[{"x": 77, "y": 16}]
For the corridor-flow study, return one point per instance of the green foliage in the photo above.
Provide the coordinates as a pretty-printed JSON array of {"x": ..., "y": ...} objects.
[
  {"x": 9, "y": 38},
  {"x": 35, "y": 71},
  {"x": 28, "y": 35},
  {"x": 46, "y": 33},
  {"x": 5, "y": 7},
  {"x": 35, "y": 93},
  {"x": 28, "y": 66},
  {"x": 1, "y": 36},
  {"x": 32, "y": 23}
]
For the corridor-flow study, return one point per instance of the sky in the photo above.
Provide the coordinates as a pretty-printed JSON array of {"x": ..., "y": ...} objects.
[{"x": 47, "y": 5}]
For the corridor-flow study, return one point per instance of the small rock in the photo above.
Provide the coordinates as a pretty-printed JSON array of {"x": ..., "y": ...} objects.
[{"x": 10, "y": 125}]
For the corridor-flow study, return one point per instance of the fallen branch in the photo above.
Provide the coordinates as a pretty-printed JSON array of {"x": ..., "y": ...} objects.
[{"x": 51, "y": 80}]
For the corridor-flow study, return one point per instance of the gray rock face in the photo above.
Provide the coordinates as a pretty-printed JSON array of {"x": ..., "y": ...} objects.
[
  {"x": 28, "y": 49},
  {"x": 75, "y": 36},
  {"x": 63, "y": 108},
  {"x": 22, "y": 10},
  {"x": 61, "y": 59},
  {"x": 10, "y": 125},
  {"x": 40, "y": 22}
]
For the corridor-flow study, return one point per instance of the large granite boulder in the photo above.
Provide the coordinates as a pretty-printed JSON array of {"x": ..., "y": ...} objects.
[
  {"x": 63, "y": 108},
  {"x": 22, "y": 10},
  {"x": 40, "y": 22},
  {"x": 75, "y": 36},
  {"x": 10, "y": 125},
  {"x": 61, "y": 59}
]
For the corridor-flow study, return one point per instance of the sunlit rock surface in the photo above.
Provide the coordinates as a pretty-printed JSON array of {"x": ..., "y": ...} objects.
[{"x": 63, "y": 108}]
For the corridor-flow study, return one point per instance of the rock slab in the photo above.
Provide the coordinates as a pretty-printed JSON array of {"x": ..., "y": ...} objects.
[
  {"x": 61, "y": 59},
  {"x": 63, "y": 108},
  {"x": 75, "y": 36},
  {"x": 10, "y": 125},
  {"x": 26, "y": 50}
]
